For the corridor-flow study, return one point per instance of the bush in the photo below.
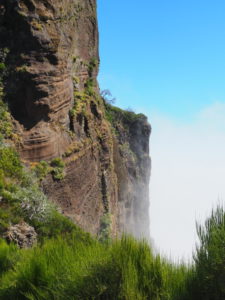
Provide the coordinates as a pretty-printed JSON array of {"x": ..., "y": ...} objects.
[
  {"x": 58, "y": 168},
  {"x": 10, "y": 163},
  {"x": 105, "y": 228},
  {"x": 42, "y": 169},
  {"x": 34, "y": 203},
  {"x": 210, "y": 258},
  {"x": 59, "y": 225},
  {"x": 115, "y": 114},
  {"x": 6, "y": 128}
]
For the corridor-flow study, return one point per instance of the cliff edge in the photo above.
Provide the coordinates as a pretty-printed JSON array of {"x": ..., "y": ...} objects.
[{"x": 49, "y": 64}]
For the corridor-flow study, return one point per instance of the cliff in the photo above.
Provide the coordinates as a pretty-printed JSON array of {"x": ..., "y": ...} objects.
[{"x": 49, "y": 64}]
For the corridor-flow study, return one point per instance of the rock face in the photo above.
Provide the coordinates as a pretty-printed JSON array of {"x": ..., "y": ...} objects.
[
  {"x": 50, "y": 52},
  {"x": 50, "y": 43},
  {"x": 22, "y": 234},
  {"x": 132, "y": 166}
]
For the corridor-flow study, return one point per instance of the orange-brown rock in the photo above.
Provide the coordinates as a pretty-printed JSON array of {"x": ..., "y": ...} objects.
[
  {"x": 50, "y": 49},
  {"x": 50, "y": 43}
]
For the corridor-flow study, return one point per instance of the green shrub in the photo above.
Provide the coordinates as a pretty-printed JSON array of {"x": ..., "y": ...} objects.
[
  {"x": 9, "y": 214},
  {"x": 57, "y": 225},
  {"x": 92, "y": 65},
  {"x": 210, "y": 258},
  {"x": 10, "y": 163},
  {"x": 105, "y": 228},
  {"x": 2, "y": 67},
  {"x": 57, "y": 162},
  {"x": 34, "y": 204},
  {"x": 89, "y": 87},
  {"x": 71, "y": 268},
  {"x": 115, "y": 114},
  {"x": 58, "y": 168},
  {"x": 42, "y": 169}
]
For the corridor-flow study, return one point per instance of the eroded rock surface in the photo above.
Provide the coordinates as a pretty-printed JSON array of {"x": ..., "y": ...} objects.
[
  {"x": 50, "y": 50},
  {"x": 49, "y": 45}
]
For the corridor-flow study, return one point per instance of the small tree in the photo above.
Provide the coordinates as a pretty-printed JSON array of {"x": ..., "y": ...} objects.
[
  {"x": 210, "y": 257},
  {"x": 107, "y": 97}
]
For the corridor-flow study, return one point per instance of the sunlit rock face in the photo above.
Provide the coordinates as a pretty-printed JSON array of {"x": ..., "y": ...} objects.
[
  {"x": 50, "y": 49},
  {"x": 50, "y": 43}
]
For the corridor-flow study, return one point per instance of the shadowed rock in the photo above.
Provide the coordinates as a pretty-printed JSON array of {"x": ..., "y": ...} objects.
[{"x": 21, "y": 234}]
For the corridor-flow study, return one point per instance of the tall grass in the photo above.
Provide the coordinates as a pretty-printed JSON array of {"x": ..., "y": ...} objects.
[{"x": 72, "y": 267}]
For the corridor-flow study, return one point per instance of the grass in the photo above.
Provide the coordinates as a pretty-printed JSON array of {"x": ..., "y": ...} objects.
[
  {"x": 72, "y": 265},
  {"x": 72, "y": 269}
]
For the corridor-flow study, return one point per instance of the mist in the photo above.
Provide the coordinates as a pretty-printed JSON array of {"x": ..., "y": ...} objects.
[{"x": 187, "y": 177}]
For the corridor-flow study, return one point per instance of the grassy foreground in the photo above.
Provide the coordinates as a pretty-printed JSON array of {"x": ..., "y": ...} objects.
[{"x": 77, "y": 266}]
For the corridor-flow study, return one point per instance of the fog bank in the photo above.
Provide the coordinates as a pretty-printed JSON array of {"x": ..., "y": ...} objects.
[{"x": 188, "y": 176}]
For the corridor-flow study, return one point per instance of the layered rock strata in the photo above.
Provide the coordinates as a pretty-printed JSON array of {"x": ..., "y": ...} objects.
[{"x": 49, "y": 49}]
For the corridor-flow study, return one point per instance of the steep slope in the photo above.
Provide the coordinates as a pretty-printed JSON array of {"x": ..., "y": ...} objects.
[{"x": 49, "y": 61}]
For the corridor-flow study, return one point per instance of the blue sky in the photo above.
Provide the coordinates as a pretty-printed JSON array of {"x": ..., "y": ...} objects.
[
  {"x": 168, "y": 55},
  {"x": 167, "y": 60}
]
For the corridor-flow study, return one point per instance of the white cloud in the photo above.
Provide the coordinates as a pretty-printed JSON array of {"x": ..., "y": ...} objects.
[{"x": 188, "y": 176}]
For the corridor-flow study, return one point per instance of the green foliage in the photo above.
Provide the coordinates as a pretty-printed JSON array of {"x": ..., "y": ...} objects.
[
  {"x": 9, "y": 214},
  {"x": 92, "y": 65},
  {"x": 10, "y": 163},
  {"x": 89, "y": 87},
  {"x": 57, "y": 163},
  {"x": 115, "y": 114},
  {"x": 73, "y": 265},
  {"x": 21, "y": 69},
  {"x": 127, "y": 153},
  {"x": 9, "y": 255},
  {"x": 105, "y": 228},
  {"x": 34, "y": 204},
  {"x": 210, "y": 258},
  {"x": 2, "y": 67},
  {"x": 6, "y": 128},
  {"x": 42, "y": 169},
  {"x": 58, "y": 166},
  {"x": 76, "y": 269},
  {"x": 22, "y": 199},
  {"x": 58, "y": 225}
]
